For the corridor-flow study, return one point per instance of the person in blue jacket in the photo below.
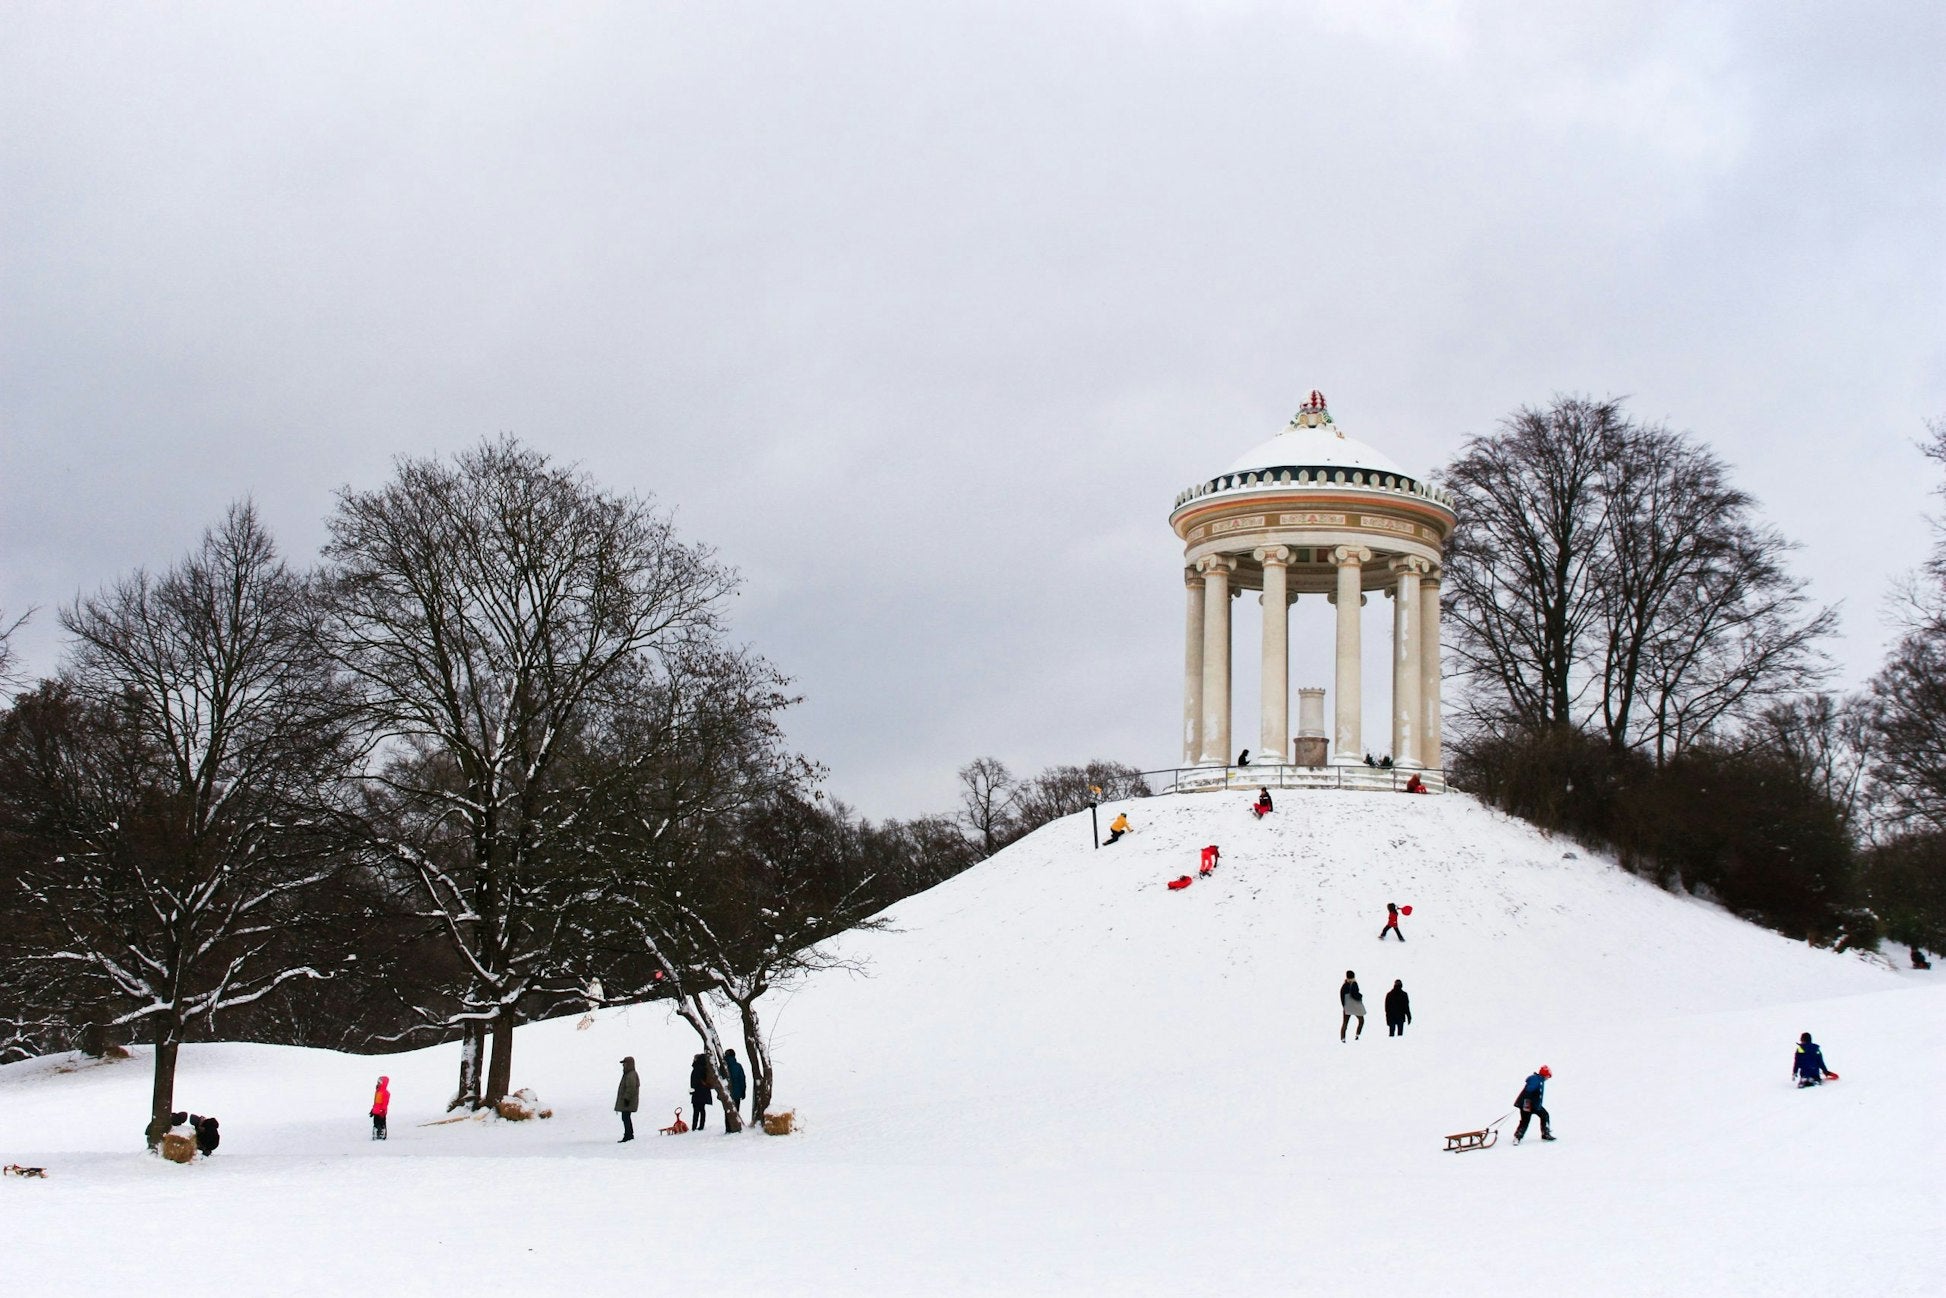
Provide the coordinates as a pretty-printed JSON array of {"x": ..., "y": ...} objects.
[
  {"x": 1809, "y": 1068},
  {"x": 1529, "y": 1104}
]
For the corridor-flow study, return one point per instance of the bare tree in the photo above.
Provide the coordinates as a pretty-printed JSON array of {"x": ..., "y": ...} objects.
[
  {"x": 989, "y": 797},
  {"x": 1063, "y": 790},
  {"x": 1522, "y": 568},
  {"x": 1607, "y": 576},
  {"x": 175, "y": 785},
  {"x": 1908, "y": 696},
  {"x": 1826, "y": 740},
  {"x": 483, "y": 605},
  {"x": 9, "y": 656},
  {"x": 680, "y": 761}
]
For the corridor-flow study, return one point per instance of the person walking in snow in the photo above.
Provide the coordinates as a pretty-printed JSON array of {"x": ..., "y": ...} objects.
[
  {"x": 1352, "y": 1002},
  {"x": 1398, "y": 1009},
  {"x": 699, "y": 1089},
  {"x": 735, "y": 1070},
  {"x": 628, "y": 1098},
  {"x": 381, "y": 1105},
  {"x": 1808, "y": 1067},
  {"x": 1116, "y": 829},
  {"x": 1529, "y": 1104},
  {"x": 1391, "y": 923}
]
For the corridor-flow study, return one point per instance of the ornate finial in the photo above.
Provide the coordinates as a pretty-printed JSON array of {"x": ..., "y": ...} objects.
[{"x": 1313, "y": 413}]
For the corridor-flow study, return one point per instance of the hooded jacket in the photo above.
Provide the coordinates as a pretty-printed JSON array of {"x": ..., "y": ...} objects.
[
  {"x": 382, "y": 1098},
  {"x": 735, "y": 1070},
  {"x": 628, "y": 1096}
]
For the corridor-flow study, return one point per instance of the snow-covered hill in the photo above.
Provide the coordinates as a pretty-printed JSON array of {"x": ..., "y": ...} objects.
[{"x": 1060, "y": 1077}]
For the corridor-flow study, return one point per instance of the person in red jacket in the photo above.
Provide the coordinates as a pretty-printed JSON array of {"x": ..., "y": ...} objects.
[{"x": 381, "y": 1105}]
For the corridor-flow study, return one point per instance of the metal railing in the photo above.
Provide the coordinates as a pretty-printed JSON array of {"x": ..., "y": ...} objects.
[{"x": 1368, "y": 779}]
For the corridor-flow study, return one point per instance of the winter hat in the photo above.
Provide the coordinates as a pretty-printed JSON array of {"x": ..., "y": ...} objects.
[
  {"x": 1545, "y": 1071},
  {"x": 628, "y": 1062},
  {"x": 1806, "y": 1038}
]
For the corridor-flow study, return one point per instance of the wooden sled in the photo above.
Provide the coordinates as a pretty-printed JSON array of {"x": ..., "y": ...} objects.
[{"x": 1461, "y": 1141}]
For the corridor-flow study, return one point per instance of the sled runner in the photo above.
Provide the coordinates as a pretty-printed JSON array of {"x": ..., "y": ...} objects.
[{"x": 1461, "y": 1141}]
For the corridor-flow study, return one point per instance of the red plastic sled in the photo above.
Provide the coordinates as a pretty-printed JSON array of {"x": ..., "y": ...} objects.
[
  {"x": 1405, "y": 910},
  {"x": 1177, "y": 885}
]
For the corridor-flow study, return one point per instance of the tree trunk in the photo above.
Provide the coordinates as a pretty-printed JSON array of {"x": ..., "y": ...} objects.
[
  {"x": 758, "y": 1053},
  {"x": 162, "y": 1098},
  {"x": 500, "y": 1074},
  {"x": 471, "y": 1046}
]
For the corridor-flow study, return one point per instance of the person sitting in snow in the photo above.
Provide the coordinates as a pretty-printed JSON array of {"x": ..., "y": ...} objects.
[
  {"x": 1398, "y": 1009},
  {"x": 699, "y": 1089},
  {"x": 1261, "y": 807},
  {"x": 1117, "y": 829},
  {"x": 381, "y": 1105},
  {"x": 1391, "y": 923},
  {"x": 1352, "y": 1002},
  {"x": 1809, "y": 1067},
  {"x": 735, "y": 1071},
  {"x": 1414, "y": 784},
  {"x": 1529, "y": 1104}
]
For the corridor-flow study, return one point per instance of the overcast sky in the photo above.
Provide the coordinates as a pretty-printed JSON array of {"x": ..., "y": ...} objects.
[{"x": 921, "y": 313}]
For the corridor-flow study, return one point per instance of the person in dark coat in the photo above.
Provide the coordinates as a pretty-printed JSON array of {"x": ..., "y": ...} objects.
[
  {"x": 699, "y": 1089},
  {"x": 1352, "y": 1002},
  {"x": 628, "y": 1098},
  {"x": 1262, "y": 806},
  {"x": 735, "y": 1070},
  {"x": 1808, "y": 1066},
  {"x": 207, "y": 1135},
  {"x": 1243, "y": 758},
  {"x": 1398, "y": 1009},
  {"x": 1529, "y": 1104},
  {"x": 1391, "y": 923}
]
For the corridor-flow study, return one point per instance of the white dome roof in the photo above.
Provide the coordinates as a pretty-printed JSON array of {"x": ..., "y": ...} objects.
[{"x": 1315, "y": 448}]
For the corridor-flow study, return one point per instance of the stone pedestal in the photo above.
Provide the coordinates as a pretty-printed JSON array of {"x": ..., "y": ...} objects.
[{"x": 1312, "y": 745}]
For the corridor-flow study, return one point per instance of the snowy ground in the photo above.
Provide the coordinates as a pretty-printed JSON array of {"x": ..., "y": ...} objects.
[{"x": 1061, "y": 1078}]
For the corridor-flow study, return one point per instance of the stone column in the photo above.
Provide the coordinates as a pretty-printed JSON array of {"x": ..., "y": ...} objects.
[
  {"x": 1274, "y": 736},
  {"x": 1192, "y": 671},
  {"x": 1216, "y": 570},
  {"x": 1429, "y": 744},
  {"x": 1405, "y": 662},
  {"x": 1348, "y": 744}
]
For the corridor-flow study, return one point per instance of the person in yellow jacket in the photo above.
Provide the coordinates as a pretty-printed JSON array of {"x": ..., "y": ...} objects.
[{"x": 1117, "y": 829}]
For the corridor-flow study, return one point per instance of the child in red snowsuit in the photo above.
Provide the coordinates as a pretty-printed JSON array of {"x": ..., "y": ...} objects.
[
  {"x": 1391, "y": 923},
  {"x": 381, "y": 1105}
]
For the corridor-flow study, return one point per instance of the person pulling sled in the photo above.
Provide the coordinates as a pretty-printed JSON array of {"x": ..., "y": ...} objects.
[{"x": 1528, "y": 1102}]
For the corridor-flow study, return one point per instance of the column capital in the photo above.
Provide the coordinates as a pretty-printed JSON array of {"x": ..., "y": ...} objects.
[
  {"x": 1351, "y": 555},
  {"x": 1267, "y": 555},
  {"x": 1210, "y": 563},
  {"x": 1192, "y": 579},
  {"x": 1411, "y": 563}
]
